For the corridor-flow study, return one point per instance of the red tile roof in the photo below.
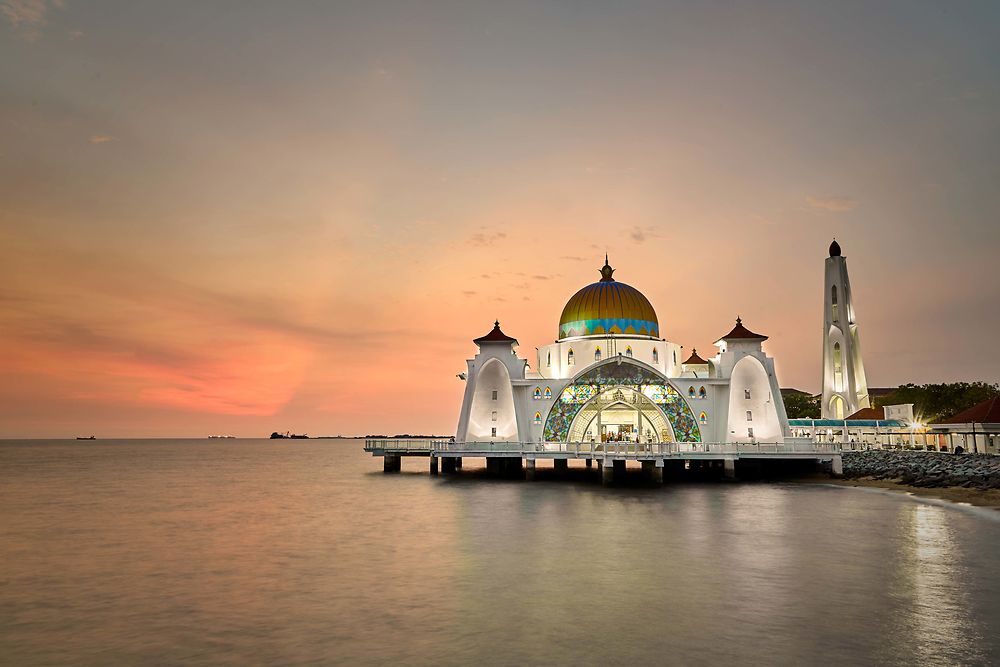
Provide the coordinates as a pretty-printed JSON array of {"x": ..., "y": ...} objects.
[
  {"x": 987, "y": 412},
  {"x": 495, "y": 336},
  {"x": 869, "y": 413},
  {"x": 694, "y": 359},
  {"x": 741, "y": 332}
]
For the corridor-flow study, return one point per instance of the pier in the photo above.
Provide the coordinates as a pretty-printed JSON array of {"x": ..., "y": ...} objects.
[{"x": 658, "y": 461}]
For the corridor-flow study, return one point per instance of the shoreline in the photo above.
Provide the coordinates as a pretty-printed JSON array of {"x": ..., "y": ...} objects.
[{"x": 989, "y": 498}]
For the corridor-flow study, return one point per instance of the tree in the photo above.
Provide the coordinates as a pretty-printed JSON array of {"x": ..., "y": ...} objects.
[
  {"x": 937, "y": 401},
  {"x": 800, "y": 405}
]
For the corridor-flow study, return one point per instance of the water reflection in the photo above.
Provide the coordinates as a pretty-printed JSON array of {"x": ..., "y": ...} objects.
[{"x": 294, "y": 553}]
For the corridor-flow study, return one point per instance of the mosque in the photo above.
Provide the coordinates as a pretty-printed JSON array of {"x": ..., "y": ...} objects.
[{"x": 610, "y": 377}]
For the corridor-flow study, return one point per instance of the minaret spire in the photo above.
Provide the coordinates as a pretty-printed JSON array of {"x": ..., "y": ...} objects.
[{"x": 845, "y": 387}]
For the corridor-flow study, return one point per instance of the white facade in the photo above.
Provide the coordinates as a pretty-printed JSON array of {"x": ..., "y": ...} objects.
[
  {"x": 635, "y": 389},
  {"x": 845, "y": 388}
]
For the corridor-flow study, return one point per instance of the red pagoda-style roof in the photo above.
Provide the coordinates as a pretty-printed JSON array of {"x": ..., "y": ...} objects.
[
  {"x": 987, "y": 412},
  {"x": 694, "y": 359},
  {"x": 495, "y": 336},
  {"x": 740, "y": 332}
]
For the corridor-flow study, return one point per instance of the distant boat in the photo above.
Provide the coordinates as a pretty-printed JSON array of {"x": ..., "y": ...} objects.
[
  {"x": 92, "y": 437},
  {"x": 289, "y": 434},
  {"x": 222, "y": 436}
]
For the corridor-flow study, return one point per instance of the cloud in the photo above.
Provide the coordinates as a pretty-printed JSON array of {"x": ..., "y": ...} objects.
[
  {"x": 27, "y": 17},
  {"x": 486, "y": 239},
  {"x": 574, "y": 258},
  {"x": 832, "y": 203},
  {"x": 101, "y": 138},
  {"x": 544, "y": 277},
  {"x": 640, "y": 234}
]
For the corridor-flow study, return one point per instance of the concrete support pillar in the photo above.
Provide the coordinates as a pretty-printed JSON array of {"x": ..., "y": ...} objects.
[
  {"x": 391, "y": 463},
  {"x": 837, "y": 466},
  {"x": 561, "y": 465},
  {"x": 448, "y": 464},
  {"x": 647, "y": 470},
  {"x": 434, "y": 465},
  {"x": 619, "y": 467},
  {"x": 608, "y": 475},
  {"x": 493, "y": 465},
  {"x": 512, "y": 467},
  {"x": 529, "y": 469},
  {"x": 590, "y": 463},
  {"x": 730, "y": 467},
  {"x": 657, "y": 472},
  {"x": 458, "y": 463}
]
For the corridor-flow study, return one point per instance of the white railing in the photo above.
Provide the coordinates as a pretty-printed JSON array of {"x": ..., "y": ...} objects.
[{"x": 605, "y": 449}]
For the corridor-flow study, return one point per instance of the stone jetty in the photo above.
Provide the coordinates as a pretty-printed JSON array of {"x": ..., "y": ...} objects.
[{"x": 925, "y": 469}]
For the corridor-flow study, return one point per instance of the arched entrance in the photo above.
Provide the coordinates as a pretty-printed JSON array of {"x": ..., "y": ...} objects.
[
  {"x": 647, "y": 400},
  {"x": 620, "y": 414}
]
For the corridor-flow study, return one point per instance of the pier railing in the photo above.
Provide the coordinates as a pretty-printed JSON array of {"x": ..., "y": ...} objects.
[{"x": 602, "y": 449}]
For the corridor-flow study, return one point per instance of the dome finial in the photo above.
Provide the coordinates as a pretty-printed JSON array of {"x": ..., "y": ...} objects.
[
  {"x": 496, "y": 323},
  {"x": 606, "y": 270},
  {"x": 834, "y": 248},
  {"x": 738, "y": 320}
]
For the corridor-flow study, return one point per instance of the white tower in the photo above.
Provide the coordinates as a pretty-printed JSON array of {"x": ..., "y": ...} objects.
[{"x": 845, "y": 389}]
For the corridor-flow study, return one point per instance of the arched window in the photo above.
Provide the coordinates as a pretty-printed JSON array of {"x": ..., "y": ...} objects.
[
  {"x": 702, "y": 393},
  {"x": 548, "y": 392},
  {"x": 691, "y": 392},
  {"x": 628, "y": 351},
  {"x": 703, "y": 418},
  {"x": 838, "y": 368},
  {"x": 538, "y": 417},
  {"x": 597, "y": 354},
  {"x": 746, "y": 394},
  {"x": 833, "y": 302},
  {"x": 538, "y": 393},
  {"x": 656, "y": 356},
  {"x": 569, "y": 358}
]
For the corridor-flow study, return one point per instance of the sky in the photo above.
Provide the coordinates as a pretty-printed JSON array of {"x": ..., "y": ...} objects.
[{"x": 241, "y": 217}]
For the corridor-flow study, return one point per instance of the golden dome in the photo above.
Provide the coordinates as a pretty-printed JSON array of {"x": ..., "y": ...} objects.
[{"x": 608, "y": 307}]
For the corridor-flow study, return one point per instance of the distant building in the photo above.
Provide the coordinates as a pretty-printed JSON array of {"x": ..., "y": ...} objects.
[
  {"x": 611, "y": 377},
  {"x": 976, "y": 430}
]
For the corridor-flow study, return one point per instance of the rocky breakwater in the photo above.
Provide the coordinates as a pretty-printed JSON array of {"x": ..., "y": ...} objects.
[{"x": 925, "y": 469}]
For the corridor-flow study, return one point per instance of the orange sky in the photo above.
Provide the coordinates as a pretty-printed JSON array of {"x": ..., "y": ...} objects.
[{"x": 242, "y": 219}]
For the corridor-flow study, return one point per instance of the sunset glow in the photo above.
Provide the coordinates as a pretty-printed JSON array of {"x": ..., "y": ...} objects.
[{"x": 210, "y": 228}]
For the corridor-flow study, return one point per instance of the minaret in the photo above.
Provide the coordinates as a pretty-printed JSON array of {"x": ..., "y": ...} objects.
[{"x": 845, "y": 389}]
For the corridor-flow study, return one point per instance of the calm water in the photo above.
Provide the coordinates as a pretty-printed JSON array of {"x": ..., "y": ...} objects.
[{"x": 303, "y": 552}]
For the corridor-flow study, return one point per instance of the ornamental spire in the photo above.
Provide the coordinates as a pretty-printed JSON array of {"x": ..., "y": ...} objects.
[{"x": 606, "y": 270}]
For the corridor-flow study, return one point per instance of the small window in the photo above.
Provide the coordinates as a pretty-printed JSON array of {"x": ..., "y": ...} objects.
[
  {"x": 548, "y": 392},
  {"x": 702, "y": 393},
  {"x": 494, "y": 394},
  {"x": 548, "y": 358},
  {"x": 675, "y": 357},
  {"x": 570, "y": 358},
  {"x": 749, "y": 416},
  {"x": 691, "y": 392},
  {"x": 538, "y": 393},
  {"x": 493, "y": 431},
  {"x": 703, "y": 418},
  {"x": 656, "y": 356},
  {"x": 628, "y": 351},
  {"x": 494, "y": 416},
  {"x": 746, "y": 394},
  {"x": 538, "y": 417},
  {"x": 750, "y": 432},
  {"x": 597, "y": 354}
]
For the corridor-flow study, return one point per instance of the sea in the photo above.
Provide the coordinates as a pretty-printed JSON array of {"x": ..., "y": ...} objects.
[{"x": 303, "y": 552}]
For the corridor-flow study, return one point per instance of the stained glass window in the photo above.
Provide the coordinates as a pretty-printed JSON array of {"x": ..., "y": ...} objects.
[
  {"x": 538, "y": 417},
  {"x": 628, "y": 351},
  {"x": 569, "y": 358},
  {"x": 703, "y": 418},
  {"x": 691, "y": 392},
  {"x": 702, "y": 393},
  {"x": 548, "y": 392},
  {"x": 538, "y": 393},
  {"x": 597, "y": 354}
]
